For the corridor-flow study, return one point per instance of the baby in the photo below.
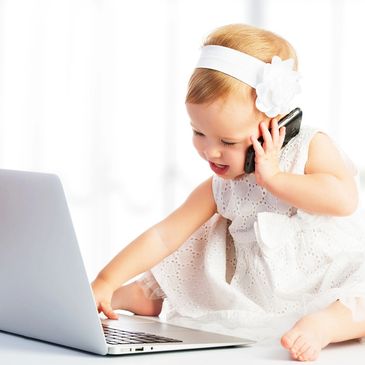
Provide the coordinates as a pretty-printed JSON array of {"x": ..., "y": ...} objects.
[{"x": 282, "y": 241}]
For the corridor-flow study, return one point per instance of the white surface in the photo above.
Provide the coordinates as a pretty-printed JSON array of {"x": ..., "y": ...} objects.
[{"x": 21, "y": 351}]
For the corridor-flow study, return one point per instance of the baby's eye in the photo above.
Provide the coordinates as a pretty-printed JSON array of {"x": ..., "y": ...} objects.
[
  {"x": 197, "y": 133},
  {"x": 228, "y": 143}
]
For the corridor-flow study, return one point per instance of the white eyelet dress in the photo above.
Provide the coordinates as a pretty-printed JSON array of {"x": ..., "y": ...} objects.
[{"x": 260, "y": 264}]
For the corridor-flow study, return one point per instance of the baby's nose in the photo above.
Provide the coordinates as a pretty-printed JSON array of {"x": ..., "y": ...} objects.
[{"x": 212, "y": 153}]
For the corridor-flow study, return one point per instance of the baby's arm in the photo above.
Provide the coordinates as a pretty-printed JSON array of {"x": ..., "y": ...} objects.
[
  {"x": 154, "y": 245},
  {"x": 327, "y": 187}
]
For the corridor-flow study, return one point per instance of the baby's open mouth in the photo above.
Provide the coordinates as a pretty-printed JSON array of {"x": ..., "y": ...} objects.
[{"x": 218, "y": 168}]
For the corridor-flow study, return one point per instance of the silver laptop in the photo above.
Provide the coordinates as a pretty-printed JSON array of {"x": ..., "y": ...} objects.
[{"x": 44, "y": 290}]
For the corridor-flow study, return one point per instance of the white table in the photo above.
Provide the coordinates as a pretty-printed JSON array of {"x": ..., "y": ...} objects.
[{"x": 15, "y": 350}]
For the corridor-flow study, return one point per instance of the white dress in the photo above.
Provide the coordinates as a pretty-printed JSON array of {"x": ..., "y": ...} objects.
[{"x": 260, "y": 264}]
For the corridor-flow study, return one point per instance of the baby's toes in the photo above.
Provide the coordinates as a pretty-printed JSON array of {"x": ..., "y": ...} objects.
[
  {"x": 288, "y": 340},
  {"x": 300, "y": 346},
  {"x": 310, "y": 354}
]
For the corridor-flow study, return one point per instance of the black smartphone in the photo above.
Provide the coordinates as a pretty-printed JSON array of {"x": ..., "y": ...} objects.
[{"x": 291, "y": 122}]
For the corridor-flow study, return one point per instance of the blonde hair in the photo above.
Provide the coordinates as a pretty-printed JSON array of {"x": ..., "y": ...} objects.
[{"x": 206, "y": 85}]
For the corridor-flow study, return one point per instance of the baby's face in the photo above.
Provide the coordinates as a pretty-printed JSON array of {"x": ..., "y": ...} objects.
[{"x": 221, "y": 133}]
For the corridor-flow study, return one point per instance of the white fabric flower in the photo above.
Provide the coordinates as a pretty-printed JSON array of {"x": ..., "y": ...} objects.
[{"x": 277, "y": 88}]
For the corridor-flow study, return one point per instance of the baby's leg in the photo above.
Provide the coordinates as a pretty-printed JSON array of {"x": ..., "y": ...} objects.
[
  {"x": 131, "y": 297},
  {"x": 315, "y": 331}
]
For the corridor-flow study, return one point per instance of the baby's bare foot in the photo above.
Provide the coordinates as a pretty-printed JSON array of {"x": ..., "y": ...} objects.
[{"x": 308, "y": 336}]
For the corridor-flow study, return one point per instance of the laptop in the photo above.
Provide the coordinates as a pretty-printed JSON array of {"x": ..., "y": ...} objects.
[{"x": 44, "y": 289}]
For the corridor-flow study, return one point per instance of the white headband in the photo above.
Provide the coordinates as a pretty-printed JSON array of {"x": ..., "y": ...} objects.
[{"x": 276, "y": 83}]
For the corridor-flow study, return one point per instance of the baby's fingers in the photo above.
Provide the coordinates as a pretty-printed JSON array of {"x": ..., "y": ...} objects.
[
  {"x": 268, "y": 140},
  {"x": 257, "y": 146},
  {"x": 275, "y": 133},
  {"x": 107, "y": 310},
  {"x": 282, "y": 132}
]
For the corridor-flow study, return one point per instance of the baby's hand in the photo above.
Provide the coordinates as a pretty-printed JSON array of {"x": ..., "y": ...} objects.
[
  {"x": 103, "y": 295},
  {"x": 267, "y": 154}
]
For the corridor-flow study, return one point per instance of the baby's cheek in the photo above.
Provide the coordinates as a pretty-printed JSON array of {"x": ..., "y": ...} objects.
[
  {"x": 196, "y": 145},
  {"x": 237, "y": 158},
  {"x": 198, "y": 148},
  {"x": 244, "y": 150}
]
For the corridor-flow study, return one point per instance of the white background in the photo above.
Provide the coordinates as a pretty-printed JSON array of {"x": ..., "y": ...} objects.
[{"x": 94, "y": 91}]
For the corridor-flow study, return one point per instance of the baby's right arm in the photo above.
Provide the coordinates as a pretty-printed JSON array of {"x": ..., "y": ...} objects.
[{"x": 154, "y": 245}]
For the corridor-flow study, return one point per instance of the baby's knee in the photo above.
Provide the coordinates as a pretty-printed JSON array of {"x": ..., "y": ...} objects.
[
  {"x": 149, "y": 305},
  {"x": 155, "y": 307}
]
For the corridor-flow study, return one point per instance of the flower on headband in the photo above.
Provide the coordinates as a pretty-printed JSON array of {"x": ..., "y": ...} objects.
[{"x": 278, "y": 86}]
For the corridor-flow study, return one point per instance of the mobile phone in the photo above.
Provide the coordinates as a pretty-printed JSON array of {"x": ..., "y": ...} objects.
[{"x": 291, "y": 122}]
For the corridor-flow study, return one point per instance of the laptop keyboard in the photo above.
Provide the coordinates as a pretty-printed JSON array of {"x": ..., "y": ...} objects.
[{"x": 116, "y": 336}]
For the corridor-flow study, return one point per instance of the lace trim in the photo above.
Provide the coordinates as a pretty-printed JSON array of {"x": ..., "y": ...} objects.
[{"x": 150, "y": 286}]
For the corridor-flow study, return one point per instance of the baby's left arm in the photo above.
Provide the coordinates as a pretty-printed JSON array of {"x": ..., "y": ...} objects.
[{"x": 327, "y": 186}]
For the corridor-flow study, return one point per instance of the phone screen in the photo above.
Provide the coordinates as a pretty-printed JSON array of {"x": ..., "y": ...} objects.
[{"x": 291, "y": 122}]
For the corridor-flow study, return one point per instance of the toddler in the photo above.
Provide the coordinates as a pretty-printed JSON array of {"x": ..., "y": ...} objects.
[{"x": 281, "y": 243}]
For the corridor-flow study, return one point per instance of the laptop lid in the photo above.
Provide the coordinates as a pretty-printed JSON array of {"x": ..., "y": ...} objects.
[{"x": 43, "y": 284}]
